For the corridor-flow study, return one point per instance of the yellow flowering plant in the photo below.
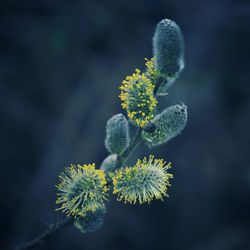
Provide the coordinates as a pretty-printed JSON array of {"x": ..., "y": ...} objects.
[
  {"x": 148, "y": 179},
  {"x": 137, "y": 96},
  {"x": 83, "y": 189}
]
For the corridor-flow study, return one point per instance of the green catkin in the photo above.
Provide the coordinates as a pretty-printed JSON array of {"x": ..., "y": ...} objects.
[
  {"x": 109, "y": 163},
  {"x": 91, "y": 221},
  {"x": 168, "y": 49},
  {"x": 117, "y": 134},
  {"x": 168, "y": 124}
]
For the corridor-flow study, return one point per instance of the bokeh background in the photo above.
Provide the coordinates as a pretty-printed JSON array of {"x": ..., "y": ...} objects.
[{"x": 61, "y": 63}]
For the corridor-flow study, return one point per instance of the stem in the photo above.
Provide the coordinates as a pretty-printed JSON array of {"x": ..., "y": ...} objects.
[
  {"x": 157, "y": 84},
  {"x": 133, "y": 145},
  {"x": 52, "y": 229}
]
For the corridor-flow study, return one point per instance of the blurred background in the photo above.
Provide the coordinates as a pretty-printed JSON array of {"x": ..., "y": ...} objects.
[{"x": 61, "y": 63}]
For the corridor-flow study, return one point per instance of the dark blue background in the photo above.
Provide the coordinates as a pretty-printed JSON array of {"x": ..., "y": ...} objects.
[{"x": 61, "y": 63}]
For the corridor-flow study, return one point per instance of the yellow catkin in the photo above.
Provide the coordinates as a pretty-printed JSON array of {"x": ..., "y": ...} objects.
[
  {"x": 82, "y": 189},
  {"x": 147, "y": 180},
  {"x": 137, "y": 95}
]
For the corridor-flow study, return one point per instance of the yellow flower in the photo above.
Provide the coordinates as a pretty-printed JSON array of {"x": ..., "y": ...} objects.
[
  {"x": 151, "y": 72},
  {"x": 137, "y": 96},
  {"x": 146, "y": 181},
  {"x": 82, "y": 189}
]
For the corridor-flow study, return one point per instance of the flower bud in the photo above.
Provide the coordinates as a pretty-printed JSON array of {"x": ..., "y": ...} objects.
[
  {"x": 109, "y": 163},
  {"x": 168, "y": 123},
  {"x": 117, "y": 134},
  {"x": 168, "y": 49},
  {"x": 91, "y": 221}
]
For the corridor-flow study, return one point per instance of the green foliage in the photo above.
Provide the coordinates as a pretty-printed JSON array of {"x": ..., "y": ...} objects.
[
  {"x": 117, "y": 134},
  {"x": 168, "y": 124}
]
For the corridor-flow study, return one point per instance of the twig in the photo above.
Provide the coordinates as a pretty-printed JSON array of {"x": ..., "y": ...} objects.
[
  {"x": 52, "y": 229},
  {"x": 158, "y": 84},
  {"x": 133, "y": 145}
]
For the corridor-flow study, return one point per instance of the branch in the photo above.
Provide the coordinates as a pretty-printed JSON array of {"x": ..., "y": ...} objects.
[
  {"x": 121, "y": 160},
  {"x": 52, "y": 229},
  {"x": 158, "y": 83}
]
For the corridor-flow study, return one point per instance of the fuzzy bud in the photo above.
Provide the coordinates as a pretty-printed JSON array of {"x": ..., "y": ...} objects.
[
  {"x": 117, "y": 134},
  {"x": 91, "y": 221},
  {"x": 109, "y": 163},
  {"x": 168, "y": 123},
  {"x": 168, "y": 49}
]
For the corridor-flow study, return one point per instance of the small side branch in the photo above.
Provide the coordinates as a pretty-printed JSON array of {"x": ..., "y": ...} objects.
[
  {"x": 52, "y": 229},
  {"x": 133, "y": 145},
  {"x": 158, "y": 84}
]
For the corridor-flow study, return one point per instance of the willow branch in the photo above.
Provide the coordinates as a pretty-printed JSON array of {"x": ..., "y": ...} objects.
[
  {"x": 158, "y": 84},
  {"x": 52, "y": 229},
  {"x": 136, "y": 141}
]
